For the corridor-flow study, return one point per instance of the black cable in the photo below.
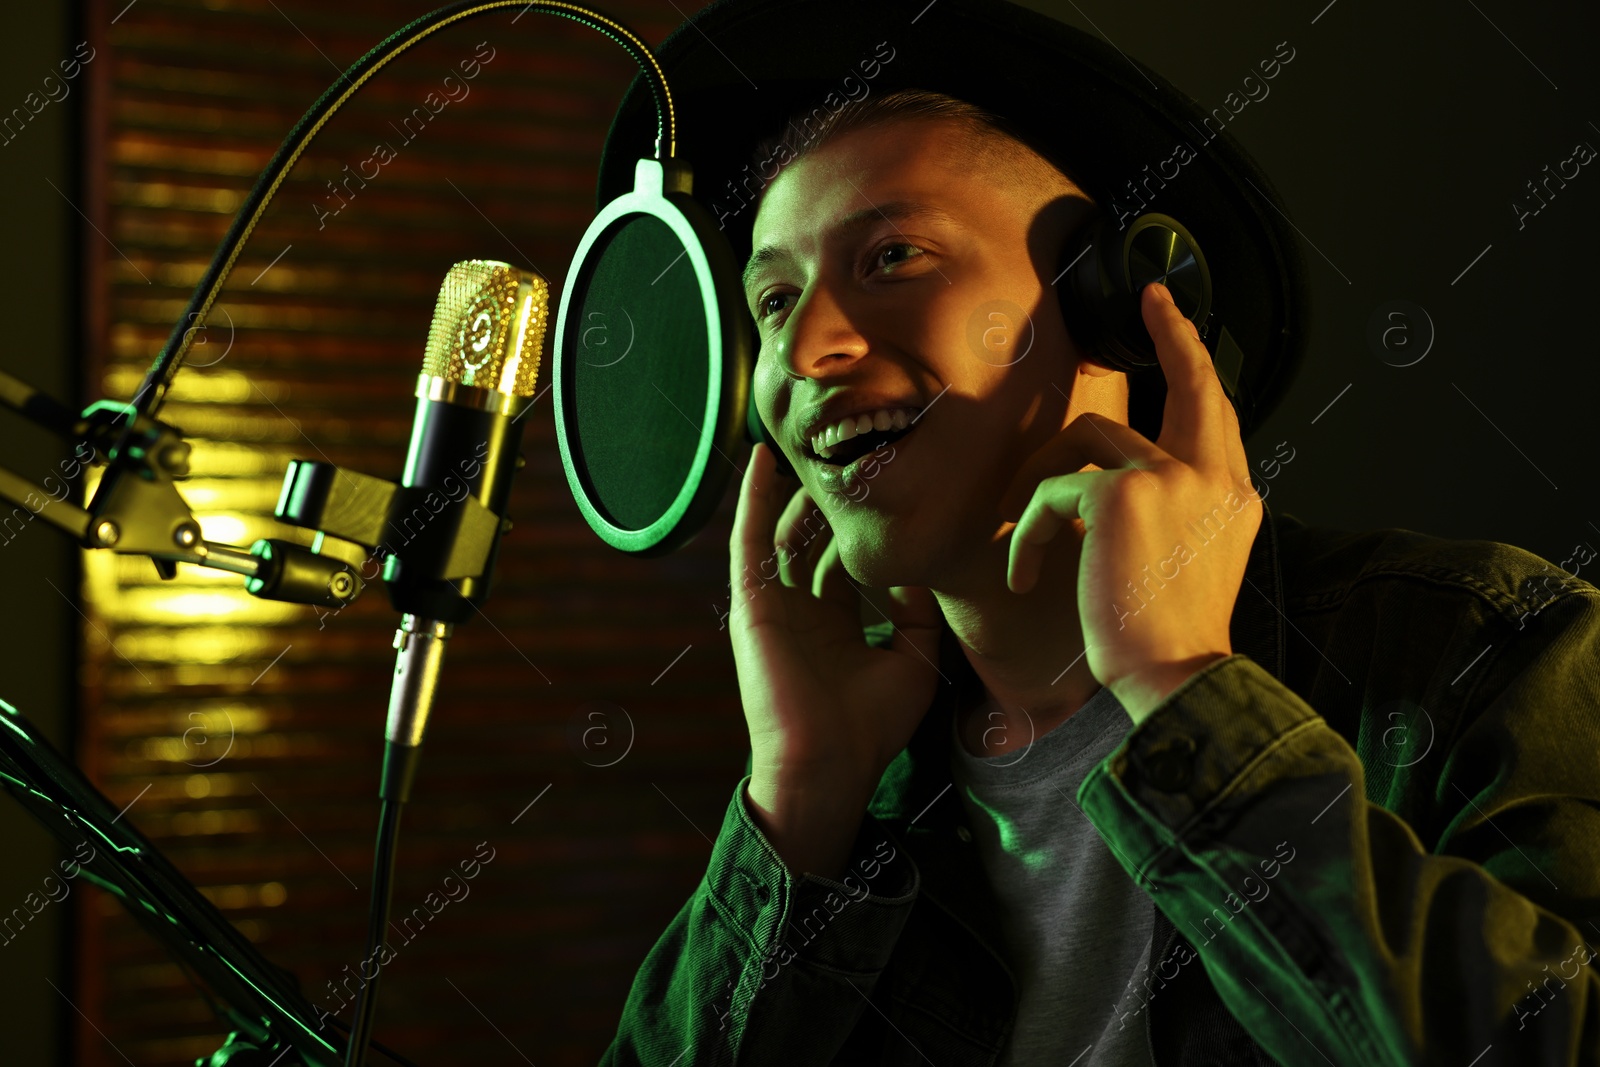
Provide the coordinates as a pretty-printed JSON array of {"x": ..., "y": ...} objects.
[
  {"x": 377, "y": 927},
  {"x": 158, "y": 379}
]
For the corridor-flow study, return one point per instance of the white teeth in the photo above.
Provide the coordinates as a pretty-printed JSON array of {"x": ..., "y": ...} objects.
[{"x": 830, "y": 437}]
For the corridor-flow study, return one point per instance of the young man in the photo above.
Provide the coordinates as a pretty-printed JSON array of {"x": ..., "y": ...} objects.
[{"x": 1180, "y": 827}]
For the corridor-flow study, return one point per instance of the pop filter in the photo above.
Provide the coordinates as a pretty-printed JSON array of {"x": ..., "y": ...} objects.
[{"x": 653, "y": 359}]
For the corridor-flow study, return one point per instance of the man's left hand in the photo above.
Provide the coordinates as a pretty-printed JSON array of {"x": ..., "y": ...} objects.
[{"x": 1164, "y": 529}]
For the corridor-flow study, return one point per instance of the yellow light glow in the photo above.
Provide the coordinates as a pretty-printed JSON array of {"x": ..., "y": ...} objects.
[
  {"x": 156, "y": 605},
  {"x": 227, "y": 528},
  {"x": 201, "y": 645}
]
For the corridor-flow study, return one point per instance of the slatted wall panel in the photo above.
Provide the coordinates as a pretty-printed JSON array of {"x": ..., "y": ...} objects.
[{"x": 245, "y": 735}]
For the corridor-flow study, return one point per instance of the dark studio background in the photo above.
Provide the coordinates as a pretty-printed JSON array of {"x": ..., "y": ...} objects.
[{"x": 246, "y": 735}]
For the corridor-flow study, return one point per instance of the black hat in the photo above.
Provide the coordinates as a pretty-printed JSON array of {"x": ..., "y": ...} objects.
[{"x": 738, "y": 69}]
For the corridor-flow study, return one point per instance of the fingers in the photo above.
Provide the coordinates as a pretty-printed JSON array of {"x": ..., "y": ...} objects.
[
  {"x": 1202, "y": 418},
  {"x": 801, "y": 535},
  {"x": 1089, "y": 438},
  {"x": 1190, "y": 429},
  {"x": 1059, "y": 501},
  {"x": 778, "y": 531},
  {"x": 831, "y": 581},
  {"x": 761, "y": 498},
  {"x": 1191, "y": 363},
  {"x": 1044, "y": 517}
]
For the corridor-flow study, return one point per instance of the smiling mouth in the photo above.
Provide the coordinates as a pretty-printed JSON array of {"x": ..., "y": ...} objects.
[{"x": 849, "y": 451}]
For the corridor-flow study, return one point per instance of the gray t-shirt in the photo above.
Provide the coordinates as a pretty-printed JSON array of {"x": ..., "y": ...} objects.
[{"x": 1077, "y": 928}]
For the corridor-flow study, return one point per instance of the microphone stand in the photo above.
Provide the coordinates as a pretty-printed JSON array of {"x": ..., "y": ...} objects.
[{"x": 420, "y": 644}]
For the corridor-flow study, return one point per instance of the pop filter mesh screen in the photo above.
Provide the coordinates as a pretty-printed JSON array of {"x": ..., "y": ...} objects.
[{"x": 637, "y": 372}]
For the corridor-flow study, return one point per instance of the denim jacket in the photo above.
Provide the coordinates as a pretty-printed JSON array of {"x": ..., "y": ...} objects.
[{"x": 1371, "y": 836}]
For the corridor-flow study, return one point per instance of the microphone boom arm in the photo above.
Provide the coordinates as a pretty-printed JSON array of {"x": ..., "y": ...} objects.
[{"x": 146, "y": 515}]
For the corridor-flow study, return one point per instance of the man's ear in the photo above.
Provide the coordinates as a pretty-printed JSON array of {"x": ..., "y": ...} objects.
[{"x": 1094, "y": 370}]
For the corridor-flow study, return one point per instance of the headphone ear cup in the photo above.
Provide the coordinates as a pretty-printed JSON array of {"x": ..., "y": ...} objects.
[
  {"x": 1084, "y": 296},
  {"x": 1100, "y": 293}
]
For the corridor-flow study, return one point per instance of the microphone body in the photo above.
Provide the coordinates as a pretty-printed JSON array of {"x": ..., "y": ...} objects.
[{"x": 482, "y": 362}]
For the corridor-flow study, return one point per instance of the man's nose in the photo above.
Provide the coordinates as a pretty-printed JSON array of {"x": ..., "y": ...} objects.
[{"x": 821, "y": 334}]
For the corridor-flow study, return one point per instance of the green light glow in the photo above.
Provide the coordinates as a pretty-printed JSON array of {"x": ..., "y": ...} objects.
[{"x": 1035, "y": 860}]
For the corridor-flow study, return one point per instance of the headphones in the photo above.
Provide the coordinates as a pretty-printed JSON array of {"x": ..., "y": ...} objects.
[{"x": 1099, "y": 289}]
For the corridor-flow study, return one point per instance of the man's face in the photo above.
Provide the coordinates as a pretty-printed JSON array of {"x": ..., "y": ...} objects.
[{"x": 963, "y": 324}]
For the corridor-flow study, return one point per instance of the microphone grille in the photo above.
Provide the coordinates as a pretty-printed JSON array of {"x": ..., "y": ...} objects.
[{"x": 488, "y": 327}]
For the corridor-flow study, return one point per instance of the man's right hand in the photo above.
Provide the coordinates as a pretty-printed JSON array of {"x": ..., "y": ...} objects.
[{"x": 827, "y": 712}]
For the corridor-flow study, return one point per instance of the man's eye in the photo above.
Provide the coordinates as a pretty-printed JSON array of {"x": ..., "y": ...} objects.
[
  {"x": 763, "y": 308},
  {"x": 878, "y": 255},
  {"x": 763, "y": 305}
]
